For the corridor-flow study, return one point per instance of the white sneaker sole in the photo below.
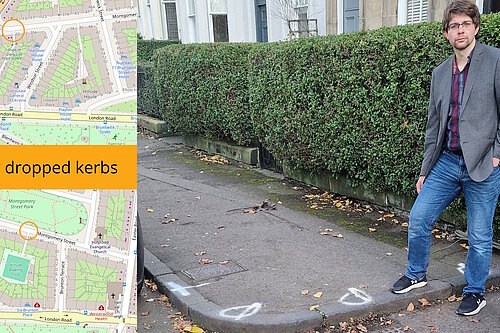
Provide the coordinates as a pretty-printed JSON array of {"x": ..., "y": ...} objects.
[
  {"x": 476, "y": 311},
  {"x": 413, "y": 286}
]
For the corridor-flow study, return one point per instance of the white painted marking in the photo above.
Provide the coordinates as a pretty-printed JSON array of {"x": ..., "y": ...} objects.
[
  {"x": 365, "y": 298},
  {"x": 249, "y": 310},
  {"x": 461, "y": 267},
  {"x": 182, "y": 290}
]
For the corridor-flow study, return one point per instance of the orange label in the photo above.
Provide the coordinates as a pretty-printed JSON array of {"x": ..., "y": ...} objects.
[{"x": 68, "y": 167}]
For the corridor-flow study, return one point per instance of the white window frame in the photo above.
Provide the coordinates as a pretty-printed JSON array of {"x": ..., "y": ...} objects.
[
  {"x": 210, "y": 19},
  {"x": 403, "y": 12},
  {"x": 301, "y": 3},
  {"x": 191, "y": 5},
  {"x": 164, "y": 17},
  {"x": 149, "y": 18},
  {"x": 340, "y": 17}
]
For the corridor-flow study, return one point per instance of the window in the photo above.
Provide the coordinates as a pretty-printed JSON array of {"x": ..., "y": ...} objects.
[
  {"x": 170, "y": 20},
  {"x": 149, "y": 18},
  {"x": 301, "y": 3},
  {"x": 218, "y": 11},
  {"x": 416, "y": 11},
  {"x": 191, "y": 8}
]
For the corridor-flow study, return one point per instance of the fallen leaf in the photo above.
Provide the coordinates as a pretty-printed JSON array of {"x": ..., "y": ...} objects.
[
  {"x": 388, "y": 215},
  {"x": 150, "y": 300},
  {"x": 438, "y": 236},
  {"x": 343, "y": 325},
  {"x": 324, "y": 233},
  {"x": 250, "y": 211},
  {"x": 459, "y": 299},
  {"x": 465, "y": 246},
  {"x": 200, "y": 253},
  {"x": 434, "y": 329},
  {"x": 224, "y": 262},
  {"x": 318, "y": 294},
  {"x": 144, "y": 314},
  {"x": 198, "y": 198},
  {"x": 362, "y": 328},
  {"x": 410, "y": 307},
  {"x": 363, "y": 286},
  {"x": 424, "y": 302},
  {"x": 404, "y": 224},
  {"x": 149, "y": 210},
  {"x": 388, "y": 254},
  {"x": 305, "y": 292},
  {"x": 314, "y": 307},
  {"x": 193, "y": 329},
  {"x": 205, "y": 261},
  {"x": 473, "y": 320},
  {"x": 313, "y": 206},
  {"x": 406, "y": 328},
  {"x": 452, "y": 298},
  {"x": 338, "y": 205},
  {"x": 395, "y": 221},
  {"x": 372, "y": 229},
  {"x": 280, "y": 203},
  {"x": 163, "y": 298},
  {"x": 338, "y": 236}
]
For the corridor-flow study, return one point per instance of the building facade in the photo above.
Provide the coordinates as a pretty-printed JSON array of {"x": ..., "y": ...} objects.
[{"x": 205, "y": 21}]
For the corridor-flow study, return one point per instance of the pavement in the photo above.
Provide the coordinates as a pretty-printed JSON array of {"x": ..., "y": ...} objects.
[{"x": 233, "y": 268}]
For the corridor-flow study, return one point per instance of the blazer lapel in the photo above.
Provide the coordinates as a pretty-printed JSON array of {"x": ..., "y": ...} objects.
[
  {"x": 446, "y": 90},
  {"x": 471, "y": 75}
]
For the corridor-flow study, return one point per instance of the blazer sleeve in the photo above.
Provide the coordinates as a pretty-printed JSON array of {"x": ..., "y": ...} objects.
[
  {"x": 496, "y": 149},
  {"x": 431, "y": 131}
]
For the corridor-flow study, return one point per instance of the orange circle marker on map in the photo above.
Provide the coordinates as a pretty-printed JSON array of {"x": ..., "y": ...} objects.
[
  {"x": 10, "y": 40},
  {"x": 27, "y": 238}
]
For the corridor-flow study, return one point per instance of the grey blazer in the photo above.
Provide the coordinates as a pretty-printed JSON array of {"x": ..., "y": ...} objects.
[{"x": 479, "y": 115}]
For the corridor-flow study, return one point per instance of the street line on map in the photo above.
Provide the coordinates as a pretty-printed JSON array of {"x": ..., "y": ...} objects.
[{"x": 111, "y": 56}]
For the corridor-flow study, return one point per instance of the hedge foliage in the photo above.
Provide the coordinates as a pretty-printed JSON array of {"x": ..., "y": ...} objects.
[
  {"x": 353, "y": 105},
  {"x": 147, "y": 101}
]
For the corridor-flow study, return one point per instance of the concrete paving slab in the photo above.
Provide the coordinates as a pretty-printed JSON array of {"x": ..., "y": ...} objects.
[{"x": 282, "y": 251}]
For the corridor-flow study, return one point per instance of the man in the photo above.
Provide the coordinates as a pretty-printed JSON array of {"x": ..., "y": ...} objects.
[{"x": 461, "y": 154}]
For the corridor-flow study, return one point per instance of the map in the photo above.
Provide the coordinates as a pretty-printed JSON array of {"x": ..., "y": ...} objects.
[
  {"x": 68, "y": 77},
  {"x": 68, "y": 72},
  {"x": 64, "y": 261}
]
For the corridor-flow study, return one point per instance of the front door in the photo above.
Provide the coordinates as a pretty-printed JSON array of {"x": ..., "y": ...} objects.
[
  {"x": 351, "y": 15},
  {"x": 261, "y": 20}
]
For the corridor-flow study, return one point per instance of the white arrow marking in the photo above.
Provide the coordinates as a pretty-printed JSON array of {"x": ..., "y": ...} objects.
[
  {"x": 359, "y": 294},
  {"x": 249, "y": 310},
  {"x": 182, "y": 290}
]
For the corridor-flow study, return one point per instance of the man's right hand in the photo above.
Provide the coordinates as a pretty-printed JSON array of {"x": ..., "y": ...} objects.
[{"x": 420, "y": 183}]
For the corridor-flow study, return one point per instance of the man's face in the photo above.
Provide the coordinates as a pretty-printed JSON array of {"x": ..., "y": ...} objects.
[{"x": 461, "y": 31}]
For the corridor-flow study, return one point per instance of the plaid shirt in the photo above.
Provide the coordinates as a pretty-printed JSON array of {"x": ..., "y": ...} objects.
[{"x": 458, "y": 79}]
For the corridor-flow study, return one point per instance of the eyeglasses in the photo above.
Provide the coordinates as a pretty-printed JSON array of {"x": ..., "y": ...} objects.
[{"x": 456, "y": 26}]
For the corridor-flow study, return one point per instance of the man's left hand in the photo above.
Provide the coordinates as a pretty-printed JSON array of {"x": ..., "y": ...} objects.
[{"x": 495, "y": 162}]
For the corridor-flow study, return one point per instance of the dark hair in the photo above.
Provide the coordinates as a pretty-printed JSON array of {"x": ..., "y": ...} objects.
[{"x": 461, "y": 7}]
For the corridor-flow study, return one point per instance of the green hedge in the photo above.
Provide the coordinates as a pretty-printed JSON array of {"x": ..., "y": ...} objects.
[
  {"x": 203, "y": 89},
  {"x": 353, "y": 105},
  {"x": 147, "y": 101},
  {"x": 146, "y": 48}
]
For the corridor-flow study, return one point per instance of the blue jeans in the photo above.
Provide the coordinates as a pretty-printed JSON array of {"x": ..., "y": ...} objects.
[{"x": 446, "y": 180}]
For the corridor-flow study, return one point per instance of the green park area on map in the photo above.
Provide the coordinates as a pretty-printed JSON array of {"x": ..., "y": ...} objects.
[
  {"x": 115, "y": 213},
  {"x": 91, "y": 281},
  {"x": 12, "y": 251},
  {"x": 72, "y": 133},
  {"x": 49, "y": 212},
  {"x": 16, "y": 268},
  {"x": 125, "y": 107},
  {"x": 16, "y": 56}
]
